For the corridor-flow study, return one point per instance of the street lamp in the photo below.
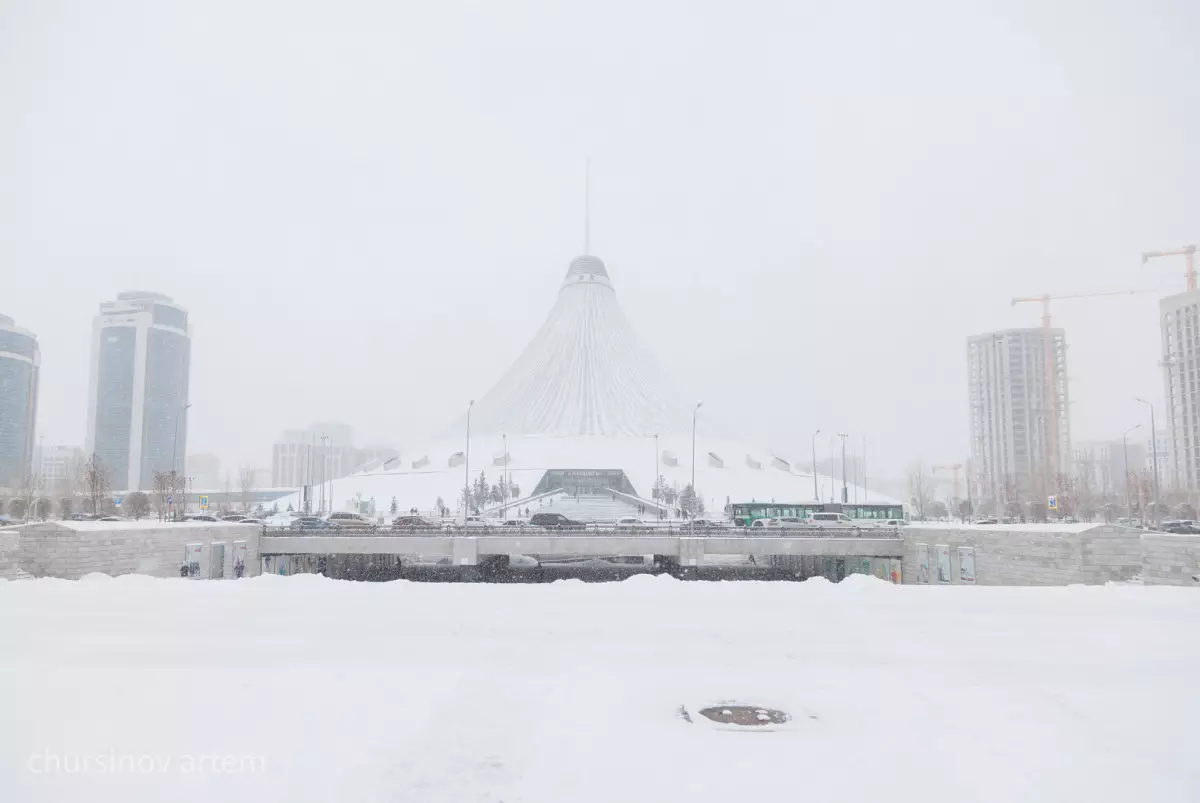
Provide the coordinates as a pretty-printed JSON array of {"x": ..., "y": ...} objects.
[
  {"x": 816, "y": 493},
  {"x": 845, "y": 495},
  {"x": 467, "y": 466},
  {"x": 1125, "y": 449},
  {"x": 175, "y": 437},
  {"x": 696, "y": 410},
  {"x": 657, "y": 469},
  {"x": 504, "y": 495},
  {"x": 175, "y": 456},
  {"x": 1154, "y": 461}
]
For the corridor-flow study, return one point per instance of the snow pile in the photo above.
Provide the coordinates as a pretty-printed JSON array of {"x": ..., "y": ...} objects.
[{"x": 306, "y": 689}]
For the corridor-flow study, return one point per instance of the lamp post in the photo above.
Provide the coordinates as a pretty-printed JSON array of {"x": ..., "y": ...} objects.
[
  {"x": 175, "y": 456},
  {"x": 816, "y": 493},
  {"x": 175, "y": 438},
  {"x": 1154, "y": 461},
  {"x": 1125, "y": 449},
  {"x": 504, "y": 495},
  {"x": 657, "y": 469},
  {"x": 845, "y": 495},
  {"x": 324, "y": 474},
  {"x": 467, "y": 466},
  {"x": 695, "y": 410}
]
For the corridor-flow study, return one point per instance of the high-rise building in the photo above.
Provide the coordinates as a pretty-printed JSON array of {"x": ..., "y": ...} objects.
[
  {"x": 1179, "y": 318},
  {"x": 1020, "y": 419},
  {"x": 19, "y": 364},
  {"x": 204, "y": 470},
  {"x": 60, "y": 469},
  {"x": 310, "y": 456},
  {"x": 137, "y": 408}
]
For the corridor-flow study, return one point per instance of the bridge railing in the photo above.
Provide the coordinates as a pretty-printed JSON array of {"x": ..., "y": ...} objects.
[{"x": 588, "y": 530}]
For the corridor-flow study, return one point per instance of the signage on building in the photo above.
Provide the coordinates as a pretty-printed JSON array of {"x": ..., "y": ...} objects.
[
  {"x": 204, "y": 503},
  {"x": 1052, "y": 503}
]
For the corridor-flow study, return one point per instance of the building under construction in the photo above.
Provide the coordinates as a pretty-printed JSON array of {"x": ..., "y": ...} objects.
[
  {"x": 1020, "y": 420},
  {"x": 1180, "y": 322}
]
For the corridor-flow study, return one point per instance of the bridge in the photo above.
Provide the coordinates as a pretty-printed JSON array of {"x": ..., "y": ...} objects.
[{"x": 687, "y": 550}]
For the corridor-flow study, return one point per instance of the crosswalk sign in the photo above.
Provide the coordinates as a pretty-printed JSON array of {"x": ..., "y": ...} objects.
[
  {"x": 1052, "y": 503},
  {"x": 204, "y": 503}
]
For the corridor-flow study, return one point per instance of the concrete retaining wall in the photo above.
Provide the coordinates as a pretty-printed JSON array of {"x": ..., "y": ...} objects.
[
  {"x": 1170, "y": 559},
  {"x": 73, "y": 549},
  {"x": 1037, "y": 557}
]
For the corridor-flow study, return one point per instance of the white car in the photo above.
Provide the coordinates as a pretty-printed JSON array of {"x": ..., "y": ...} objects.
[
  {"x": 892, "y": 523},
  {"x": 630, "y": 521},
  {"x": 831, "y": 520},
  {"x": 765, "y": 524},
  {"x": 476, "y": 522},
  {"x": 349, "y": 520},
  {"x": 793, "y": 522}
]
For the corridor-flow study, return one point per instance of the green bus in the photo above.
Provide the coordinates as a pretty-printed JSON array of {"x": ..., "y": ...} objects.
[{"x": 743, "y": 514}]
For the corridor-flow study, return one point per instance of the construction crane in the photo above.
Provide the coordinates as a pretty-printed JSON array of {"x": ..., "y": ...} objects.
[
  {"x": 1051, "y": 395},
  {"x": 1188, "y": 251}
]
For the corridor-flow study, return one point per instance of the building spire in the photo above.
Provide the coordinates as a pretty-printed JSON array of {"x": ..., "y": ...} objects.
[{"x": 587, "y": 204}]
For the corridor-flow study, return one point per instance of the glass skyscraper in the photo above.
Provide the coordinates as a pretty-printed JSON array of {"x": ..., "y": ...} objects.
[
  {"x": 19, "y": 362},
  {"x": 137, "y": 410}
]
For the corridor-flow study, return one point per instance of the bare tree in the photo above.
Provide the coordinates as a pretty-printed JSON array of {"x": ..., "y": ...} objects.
[
  {"x": 246, "y": 487},
  {"x": 160, "y": 490},
  {"x": 137, "y": 504},
  {"x": 96, "y": 483},
  {"x": 920, "y": 489}
]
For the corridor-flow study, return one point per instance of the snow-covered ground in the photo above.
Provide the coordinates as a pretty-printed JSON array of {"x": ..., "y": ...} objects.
[{"x": 307, "y": 689}]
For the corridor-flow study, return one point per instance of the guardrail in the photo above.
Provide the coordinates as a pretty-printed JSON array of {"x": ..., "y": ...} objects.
[{"x": 589, "y": 530}]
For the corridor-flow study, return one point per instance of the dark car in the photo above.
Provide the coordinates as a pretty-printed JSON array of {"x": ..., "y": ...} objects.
[
  {"x": 553, "y": 520},
  {"x": 202, "y": 517},
  {"x": 413, "y": 521},
  {"x": 313, "y": 523}
]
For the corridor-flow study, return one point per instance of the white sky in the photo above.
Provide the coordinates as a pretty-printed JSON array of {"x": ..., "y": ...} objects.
[{"x": 805, "y": 207}]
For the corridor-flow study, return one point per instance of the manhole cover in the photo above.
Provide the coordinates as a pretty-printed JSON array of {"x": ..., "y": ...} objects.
[{"x": 748, "y": 715}]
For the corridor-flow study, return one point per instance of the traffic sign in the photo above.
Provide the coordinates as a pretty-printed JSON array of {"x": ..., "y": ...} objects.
[
  {"x": 117, "y": 502},
  {"x": 1052, "y": 503},
  {"x": 204, "y": 503},
  {"x": 170, "y": 500}
]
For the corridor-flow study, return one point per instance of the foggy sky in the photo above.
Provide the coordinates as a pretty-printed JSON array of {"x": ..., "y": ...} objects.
[{"x": 806, "y": 208}]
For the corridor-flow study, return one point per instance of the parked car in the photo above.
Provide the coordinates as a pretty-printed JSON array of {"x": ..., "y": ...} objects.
[
  {"x": 553, "y": 520},
  {"x": 834, "y": 520},
  {"x": 707, "y": 523},
  {"x": 793, "y": 522},
  {"x": 765, "y": 524},
  {"x": 349, "y": 520},
  {"x": 987, "y": 521},
  {"x": 413, "y": 521},
  {"x": 233, "y": 517},
  {"x": 201, "y": 517},
  {"x": 258, "y": 522},
  {"x": 314, "y": 523},
  {"x": 630, "y": 521},
  {"x": 897, "y": 523},
  {"x": 473, "y": 523},
  {"x": 516, "y": 523}
]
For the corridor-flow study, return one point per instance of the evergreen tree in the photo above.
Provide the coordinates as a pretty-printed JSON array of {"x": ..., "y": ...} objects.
[{"x": 395, "y": 506}]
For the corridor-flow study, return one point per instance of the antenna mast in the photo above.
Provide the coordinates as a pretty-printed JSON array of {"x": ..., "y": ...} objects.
[{"x": 587, "y": 204}]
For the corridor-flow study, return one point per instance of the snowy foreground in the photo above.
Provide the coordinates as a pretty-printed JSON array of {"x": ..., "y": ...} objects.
[{"x": 307, "y": 689}]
